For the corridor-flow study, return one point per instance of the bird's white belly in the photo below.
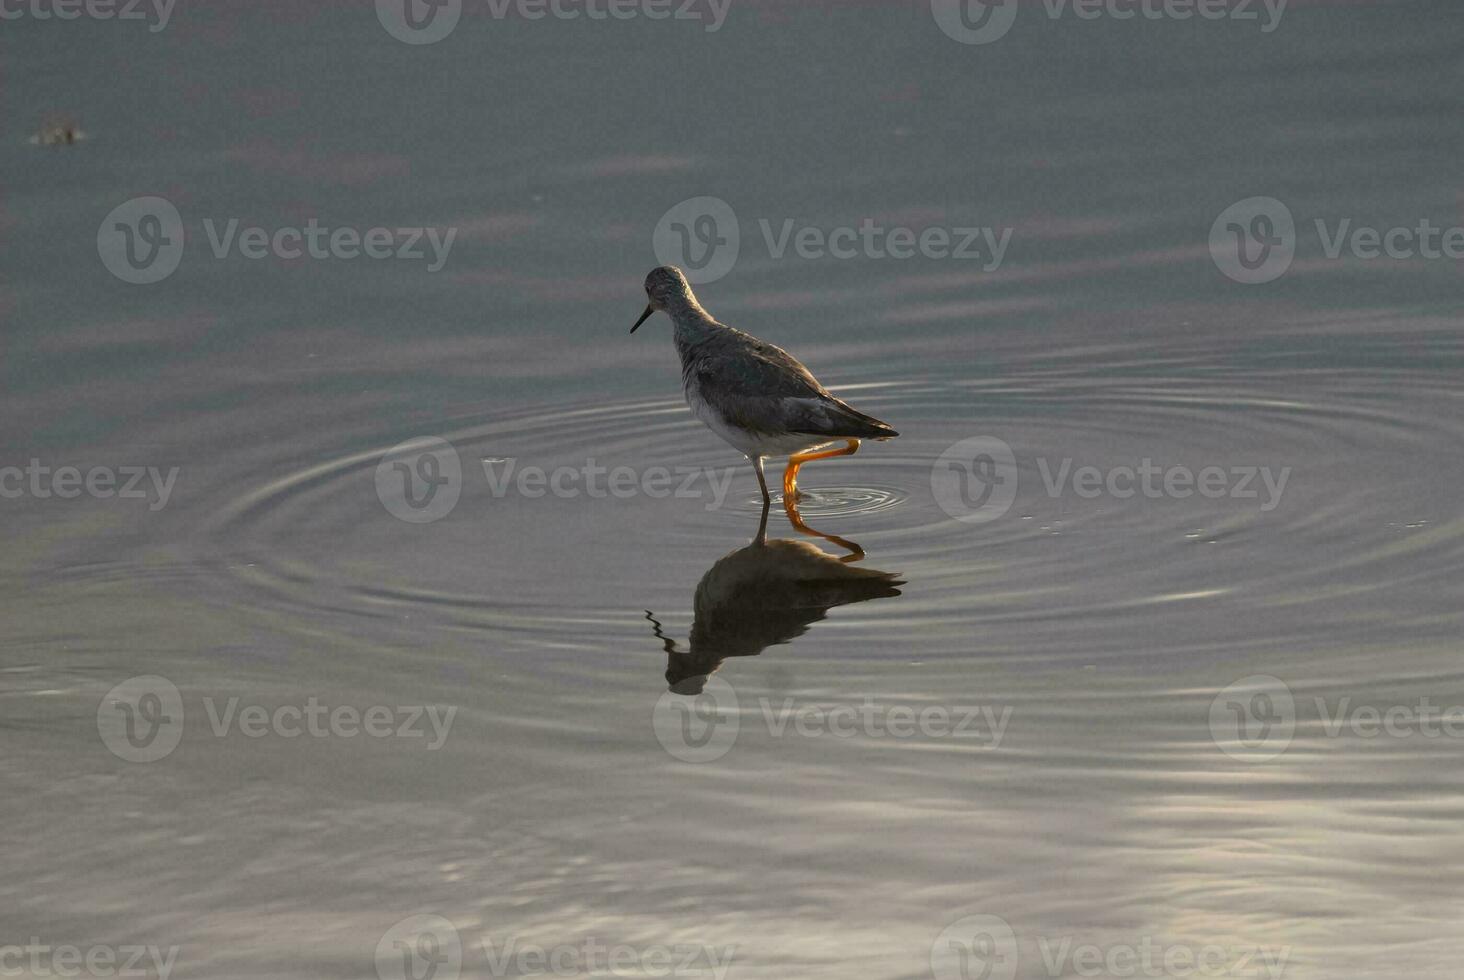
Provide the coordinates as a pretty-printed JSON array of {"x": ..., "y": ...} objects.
[{"x": 747, "y": 442}]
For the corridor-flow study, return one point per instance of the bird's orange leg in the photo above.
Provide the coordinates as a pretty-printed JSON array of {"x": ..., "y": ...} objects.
[{"x": 790, "y": 475}]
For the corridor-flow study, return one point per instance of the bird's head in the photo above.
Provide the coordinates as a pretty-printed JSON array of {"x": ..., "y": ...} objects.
[{"x": 666, "y": 289}]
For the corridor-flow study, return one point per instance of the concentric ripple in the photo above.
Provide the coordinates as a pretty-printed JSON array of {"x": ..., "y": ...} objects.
[
  {"x": 1057, "y": 574},
  {"x": 831, "y": 501}
]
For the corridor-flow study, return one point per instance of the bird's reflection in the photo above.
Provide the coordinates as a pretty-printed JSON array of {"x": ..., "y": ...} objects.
[{"x": 766, "y": 593}]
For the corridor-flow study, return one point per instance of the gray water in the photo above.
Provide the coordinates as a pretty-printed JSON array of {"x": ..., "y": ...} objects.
[{"x": 1080, "y": 642}]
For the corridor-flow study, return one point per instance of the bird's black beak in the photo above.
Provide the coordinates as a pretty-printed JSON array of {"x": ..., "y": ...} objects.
[{"x": 649, "y": 310}]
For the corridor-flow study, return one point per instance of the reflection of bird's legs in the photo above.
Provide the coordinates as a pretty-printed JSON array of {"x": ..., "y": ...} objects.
[
  {"x": 666, "y": 641},
  {"x": 790, "y": 475},
  {"x": 856, "y": 553}
]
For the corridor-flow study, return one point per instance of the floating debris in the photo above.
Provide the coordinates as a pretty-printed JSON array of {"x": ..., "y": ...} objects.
[{"x": 58, "y": 131}]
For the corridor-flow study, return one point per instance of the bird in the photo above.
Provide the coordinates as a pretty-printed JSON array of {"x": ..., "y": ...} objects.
[{"x": 756, "y": 396}]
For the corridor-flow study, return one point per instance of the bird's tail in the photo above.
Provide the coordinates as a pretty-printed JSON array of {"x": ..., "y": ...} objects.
[{"x": 855, "y": 424}]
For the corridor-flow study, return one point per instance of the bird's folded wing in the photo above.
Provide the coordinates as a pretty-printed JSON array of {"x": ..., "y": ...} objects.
[
  {"x": 751, "y": 368},
  {"x": 757, "y": 386},
  {"x": 771, "y": 415},
  {"x": 819, "y": 416}
]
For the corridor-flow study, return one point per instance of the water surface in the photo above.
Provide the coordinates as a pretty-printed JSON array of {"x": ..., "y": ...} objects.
[{"x": 1097, "y": 630}]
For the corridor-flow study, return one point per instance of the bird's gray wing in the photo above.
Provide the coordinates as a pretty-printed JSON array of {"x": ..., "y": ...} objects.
[
  {"x": 760, "y": 387},
  {"x": 740, "y": 364}
]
